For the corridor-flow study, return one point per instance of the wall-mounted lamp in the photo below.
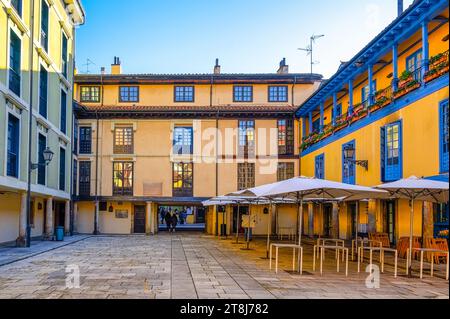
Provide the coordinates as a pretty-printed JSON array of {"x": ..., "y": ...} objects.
[
  {"x": 266, "y": 211},
  {"x": 48, "y": 157},
  {"x": 111, "y": 209},
  {"x": 349, "y": 155}
]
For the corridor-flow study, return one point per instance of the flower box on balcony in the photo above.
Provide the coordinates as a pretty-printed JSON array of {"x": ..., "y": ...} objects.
[
  {"x": 358, "y": 114},
  {"x": 436, "y": 72},
  {"x": 405, "y": 89},
  {"x": 379, "y": 104}
]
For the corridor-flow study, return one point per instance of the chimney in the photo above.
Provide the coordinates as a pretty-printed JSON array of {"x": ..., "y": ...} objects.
[
  {"x": 284, "y": 69},
  {"x": 400, "y": 7},
  {"x": 217, "y": 67},
  {"x": 116, "y": 68}
]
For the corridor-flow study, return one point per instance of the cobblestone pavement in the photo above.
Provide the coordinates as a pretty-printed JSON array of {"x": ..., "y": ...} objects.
[{"x": 189, "y": 266}]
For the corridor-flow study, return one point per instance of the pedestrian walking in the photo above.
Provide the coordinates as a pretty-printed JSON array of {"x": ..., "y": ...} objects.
[
  {"x": 168, "y": 219},
  {"x": 174, "y": 222}
]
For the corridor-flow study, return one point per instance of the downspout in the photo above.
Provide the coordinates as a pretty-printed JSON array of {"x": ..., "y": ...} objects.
[
  {"x": 96, "y": 212},
  {"x": 299, "y": 128},
  {"x": 72, "y": 136},
  {"x": 30, "y": 127},
  {"x": 217, "y": 151}
]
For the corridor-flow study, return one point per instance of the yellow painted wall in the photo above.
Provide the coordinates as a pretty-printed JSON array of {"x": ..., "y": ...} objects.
[{"x": 9, "y": 217}]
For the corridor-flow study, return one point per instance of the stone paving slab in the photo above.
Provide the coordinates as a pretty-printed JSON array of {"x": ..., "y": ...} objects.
[{"x": 190, "y": 266}]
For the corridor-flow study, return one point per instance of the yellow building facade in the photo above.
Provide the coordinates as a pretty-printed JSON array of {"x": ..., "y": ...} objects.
[
  {"x": 151, "y": 141},
  {"x": 396, "y": 127},
  {"x": 36, "y": 76}
]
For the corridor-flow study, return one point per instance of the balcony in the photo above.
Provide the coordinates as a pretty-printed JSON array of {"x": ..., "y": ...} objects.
[{"x": 408, "y": 82}]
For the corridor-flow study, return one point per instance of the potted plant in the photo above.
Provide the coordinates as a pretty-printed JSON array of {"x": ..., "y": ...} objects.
[
  {"x": 436, "y": 59},
  {"x": 404, "y": 78}
]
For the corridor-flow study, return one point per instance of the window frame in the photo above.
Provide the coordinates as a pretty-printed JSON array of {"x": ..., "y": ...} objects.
[
  {"x": 63, "y": 112},
  {"x": 443, "y": 158},
  {"x": 129, "y": 100},
  {"x": 289, "y": 137},
  {"x": 242, "y": 87},
  {"x": 123, "y": 191},
  {"x": 14, "y": 74},
  {"x": 42, "y": 168},
  {"x": 184, "y": 100},
  {"x": 62, "y": 172},
  {"x": 127, "y": 139},
  {"x": 84, "y": 143},
  {"x": 19, "y": 7},
  {"x": 319, "y": 170},
  {"x": 44, "y": 37},
  {"x": 247, "y": 181},
  {"x": 182, "y": 147},
  {"x": 249, "y": 147},
  {"x": 278, "y": 87},
  {"x": 64, "y": 54},
  {"x": 84, "y": 186},
  {"x": 183, "y": 191},
  {"x": 350, "y": 179},
  {"x": 284, "y": 169},
  {"x": 18, "y": 135},
  {"x": 90, "y": 98},
  {"x": 390, "y": 170},
  {"x": 43, "y": 94}
]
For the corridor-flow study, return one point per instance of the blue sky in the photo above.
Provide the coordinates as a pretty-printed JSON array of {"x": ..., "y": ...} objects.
[{"x": 248, "y": 36}]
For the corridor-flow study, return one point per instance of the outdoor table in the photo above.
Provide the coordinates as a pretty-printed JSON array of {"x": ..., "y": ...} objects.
[
  {"x": 382, "y": 250},
  {"x": 288, "y": 231},
  {"x": 324, "y": 241},
  {"x": 338, "y": 248},
  {"x": 362, "y": 242},
  {"x": 432, "y": 251},
  {"x": 294, "y": 247}
]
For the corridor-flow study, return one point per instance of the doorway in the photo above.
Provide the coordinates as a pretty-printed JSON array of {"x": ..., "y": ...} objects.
[
  {"x": 327, "y": 220},
  {"x": 352, "y": 220},
  {"x": 139, "y": 219},
  {"x": 389, "y": 220},
  {"x": 237, "y": 224}
]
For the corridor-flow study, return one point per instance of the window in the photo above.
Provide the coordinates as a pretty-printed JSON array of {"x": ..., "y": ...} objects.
[
  {"x": 444, "y": 136},
  {"x": 183, "y": 180},
  {"x": 316, "y": 125},
  {"x": 285, "y": 171},
  {"x": 320, "y": 167},
  {"x": 123, "y": 179},
  {"x": 391, "y": 154},
  {"x": 43, "y": 92},
  {"x": 348, "y": 168},
  {"x": 246, "y": 175},
  {"x": 285, "y": 137},
  {"x": 44, "y": 25},
  {"x": 129, "y": 94},
  {"x": 365, "y": 93},
  {"x": 441, "y": 214},
  {"x": 13, "y": 146},
  {"x": 414, "y": 63},
  {"x": 63, "y": 123},
  {"x": 17, "y": 5},
  {"x": 183, "y": 141},
  {"x": 64, "y": 65},
  {"x": 62, "y": 169},
  {"x": 123, "y": 140},
  {"x": 15, "y": 63},
  {"x": 85, "y": 140},
  {"x": 74, "y": 177},
  {"x": 246, "y": 138},
  {"x": 90, "y": 94},
  {"x": 338, "y": 111},
  {"x": 243, "y": 94},
  {"x": 184, "y": 94},
  {"x": 84, "y": 187},
  {"x": 76, "y": 131},
  {"x": 42, "y": 170},
  {"x": 278, "y": 93}
]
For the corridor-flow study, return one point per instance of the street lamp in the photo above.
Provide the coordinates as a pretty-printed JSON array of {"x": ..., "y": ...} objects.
[
  {"x": 47, "y": 154},
  {"x": 349, "y": 155}
]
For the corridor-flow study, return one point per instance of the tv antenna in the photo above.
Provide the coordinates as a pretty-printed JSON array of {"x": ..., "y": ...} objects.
[
  {"x": 309, "y": 49},
  {"x": 88, "y": 64}
]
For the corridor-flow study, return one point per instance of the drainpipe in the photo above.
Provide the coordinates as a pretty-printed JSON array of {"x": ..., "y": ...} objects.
[
  {"x": 72, "y": 137},
  {"x": 96, "y": 232},
  {"x": 30, "y": 127}
]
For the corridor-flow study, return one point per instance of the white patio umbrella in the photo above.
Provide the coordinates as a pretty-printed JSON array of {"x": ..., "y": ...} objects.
[
  {"x": 302, "y": 188},
  {"x": 414, "y": 189}
]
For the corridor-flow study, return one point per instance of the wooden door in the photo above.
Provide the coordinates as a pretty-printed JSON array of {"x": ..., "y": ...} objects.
[{"x": 139, "y": 219}]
